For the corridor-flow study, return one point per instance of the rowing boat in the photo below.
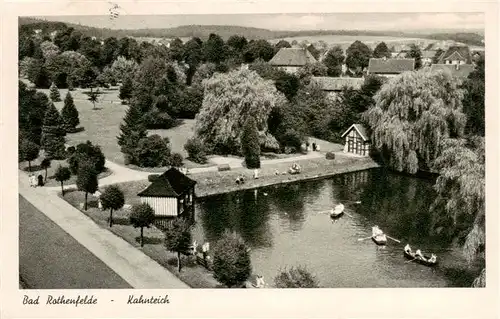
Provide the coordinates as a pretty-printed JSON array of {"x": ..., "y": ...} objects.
[
  {"x": 378, "y": 236},
  {"x": 337, "y": 212},
  {"x": 425, "y": 262}
]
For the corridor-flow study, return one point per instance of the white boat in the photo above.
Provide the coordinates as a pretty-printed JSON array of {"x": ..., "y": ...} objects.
[
  {"x": 337, "y": 211},
  {"x": 378, "y": 236}
]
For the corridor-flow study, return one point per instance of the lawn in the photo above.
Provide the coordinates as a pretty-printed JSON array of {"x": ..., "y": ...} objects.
[
  {"x": 35, "y": 167},
  {"x": 192, "y": 274},
  {"x": 102, "y": 125}
]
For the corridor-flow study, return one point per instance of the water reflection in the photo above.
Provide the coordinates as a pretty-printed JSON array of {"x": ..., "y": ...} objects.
[{"x": 283, "y": 227}]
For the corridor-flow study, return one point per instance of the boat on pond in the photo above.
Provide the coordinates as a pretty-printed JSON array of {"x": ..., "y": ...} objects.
[
  {"x": 426, "y": 260},
  {"x": 337, "y": 212},
  {"x": 378, "y": 236}
]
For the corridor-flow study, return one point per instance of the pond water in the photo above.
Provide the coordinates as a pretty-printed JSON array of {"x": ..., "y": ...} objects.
[{"x": 284, "y": 226}]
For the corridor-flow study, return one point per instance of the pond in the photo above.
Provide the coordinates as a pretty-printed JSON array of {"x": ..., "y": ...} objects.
[{"x": 286, "y": 226}]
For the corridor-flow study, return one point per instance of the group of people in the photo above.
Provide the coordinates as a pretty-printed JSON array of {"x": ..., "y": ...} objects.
[
  {"x": 36, "y": 180},
  {"x": 315, "y": 147},
  {"x": 418, "y": 254},
  {"x": 295, "y": 169}
]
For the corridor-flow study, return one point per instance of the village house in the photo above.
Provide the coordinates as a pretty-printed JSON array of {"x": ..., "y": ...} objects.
[
  {"x": 390, "y": 67},
  {"x": 334, "y": 85},
  {"x": 357, "y": 140},
  {"x": 427, "y": 57},
  {"x": 456, "y": 55},
  {"x": 461, "y": 71},
  {"x": 170, "y": 194},
  {"x": 292, "y": 59}
]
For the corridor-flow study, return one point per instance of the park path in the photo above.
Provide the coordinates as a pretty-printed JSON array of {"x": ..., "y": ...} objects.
[{"x": 137, "y": 269}]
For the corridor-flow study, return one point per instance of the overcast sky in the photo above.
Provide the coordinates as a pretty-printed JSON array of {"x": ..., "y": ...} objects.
[{"x": 335, "y": 21}]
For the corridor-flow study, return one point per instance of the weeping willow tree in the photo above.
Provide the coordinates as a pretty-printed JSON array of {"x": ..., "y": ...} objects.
[
  {"x": 230, "y": 99},
  {"x": 413, "y": 113},
  {"x": 461, "y": 195}
]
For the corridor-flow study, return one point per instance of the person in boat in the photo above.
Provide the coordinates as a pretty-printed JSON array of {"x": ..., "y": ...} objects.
[
  {"x": 433, "y": 258},
  {"x": 377, "y": 231},
  {"x": 408, "y": 249},
  {"x": 418, "y": 254}
]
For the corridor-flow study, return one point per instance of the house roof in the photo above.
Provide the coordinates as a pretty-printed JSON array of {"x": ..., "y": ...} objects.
[
  {"x": 337, "y": 84},
  {"x": 388, "y": 66},
  {"x": 360, "y": 129},
  {"x": 461, "y": 71},
  {"x": 172, "y": 183},
  {"x": 292, "y": 57},
  {"x": 458, "y": 52}
]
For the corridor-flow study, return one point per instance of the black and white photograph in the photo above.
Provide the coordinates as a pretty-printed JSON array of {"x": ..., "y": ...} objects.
[{"x": 251, "y": 151}]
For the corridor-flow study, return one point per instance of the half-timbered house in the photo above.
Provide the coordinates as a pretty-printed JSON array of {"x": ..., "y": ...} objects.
[{"x": 357, "y": 140}]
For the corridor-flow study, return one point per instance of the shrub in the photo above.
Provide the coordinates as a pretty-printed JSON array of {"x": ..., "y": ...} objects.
[
  {"x": 196, "y": 150},
  {"x": 291, "y": 138},
  {"x": 156, "y": 119},
  {"x": 330, "y": 156},
  {"x": 297, "y": 277},
  {"x": 86, "y": 152},
  {"x": 231, "y": 265},
  {"x": 250, "y": 144},
  {"x": 176, "y": 160},
  {"x": 70, "y": 150},
  {"x": 152, "y": 151},
  {"x": 153, "y": 177}
]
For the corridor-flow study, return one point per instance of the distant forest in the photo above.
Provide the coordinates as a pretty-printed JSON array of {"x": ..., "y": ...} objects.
[{"x": 203, "y": 31}]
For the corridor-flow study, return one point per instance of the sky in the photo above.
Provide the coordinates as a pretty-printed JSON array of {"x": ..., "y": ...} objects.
[{"x": 292, "y": 22}]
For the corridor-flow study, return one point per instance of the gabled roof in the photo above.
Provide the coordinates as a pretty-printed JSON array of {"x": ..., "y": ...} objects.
[
  {"x": 458, "y": 52},
  {"x": 360, "y": 129},
  {"x": 292, "y": 57},
  {"x": 390, "y": 66},
  {"x": 337, "y": 84},
  {"x": 172, "y": 183},
  {"x": 461, "y": 71}
]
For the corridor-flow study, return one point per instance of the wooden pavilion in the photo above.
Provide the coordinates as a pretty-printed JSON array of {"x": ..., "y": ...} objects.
[{"x": 171, "y": 194}]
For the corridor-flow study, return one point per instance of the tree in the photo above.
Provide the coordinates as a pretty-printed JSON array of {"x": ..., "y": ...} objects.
[
  {"x": 113, "y": 199},
  {"x": 126, "y": 90},
  {"x": 177, "y": 49},
  {"x": 312, "y": 69},
  {"x": 474, "y": 100},
  {"x": 204, "y": 71},
  {"x": 258, "y": 49},
  {"x": 123, "y": 68},
  {"x": 49, "y": 49},
  {"x": 416, "y": 54},
  {"x": 93, "y": 96},
  {"x": 176, "y": 160},
  {"x": 315, "y": 52},
  {"x": 193, "y": 56},
  {"x": 152, "y": 151},
  {"x": 334, "y": 60},
  {"x": 437, "y": 56},
  {"x": 131, "y": 131},
  {"x": 62, "y": 174},
  {"x": 237, "y": 42},
  {"x": 28, "y": 151},
  {"x": 54, "y": 93},
  {"x": 30, "y": 105},
  {"x": 250, "y": 144},
  {"x": 288, "y": 84},
  {"x": 358, "y": 55},
  {"x": 213, "y": 49},
  {"x": 86, "y": 180},
  {"x": 412, "y": 114},
  {"x": 142, "y": 216},
  {"x": 89, "y": 154},
  {"x": 231, "y": 265},
  {"x": 381, "y": 50},
  {"x": 53, "y": 133},
  {"x": 230, "y": 99},
  {"x": 295, "y": 277},
  {"x": 178, "y": 237},
  {"x": 196, "y": 150},
  {"x": 45, "y": 164},
  {"x": 69, "y": 114},
  {"x": 461, "y": 194}
]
